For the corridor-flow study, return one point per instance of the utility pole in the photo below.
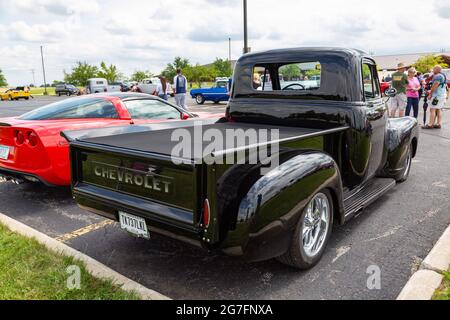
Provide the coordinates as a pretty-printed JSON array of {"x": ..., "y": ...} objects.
[
  {"x": 245, "y": 28},
  {"x": 43, "y": 71},
  {"x": 229, "y": 53}
]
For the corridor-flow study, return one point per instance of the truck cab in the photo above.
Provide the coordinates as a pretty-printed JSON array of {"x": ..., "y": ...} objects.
[{"x": 324, "y": 127}]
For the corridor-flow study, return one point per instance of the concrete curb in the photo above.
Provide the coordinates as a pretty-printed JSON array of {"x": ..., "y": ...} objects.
[
  {"x": 94, "y": 267},
  {"x": 423, "y": 284}
]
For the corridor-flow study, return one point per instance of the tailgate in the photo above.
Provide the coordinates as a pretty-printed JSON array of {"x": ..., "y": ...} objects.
[{"x": 148, "y": 185}]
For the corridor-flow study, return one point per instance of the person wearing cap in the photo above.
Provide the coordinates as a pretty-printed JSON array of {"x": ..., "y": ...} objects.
[{"x": 399, "y": 82}]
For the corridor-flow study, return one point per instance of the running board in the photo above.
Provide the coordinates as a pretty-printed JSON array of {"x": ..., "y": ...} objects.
[{"x": 367, "y": 194}]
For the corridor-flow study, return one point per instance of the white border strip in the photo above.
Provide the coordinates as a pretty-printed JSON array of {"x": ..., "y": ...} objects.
[{"x": 94, "y": 267}]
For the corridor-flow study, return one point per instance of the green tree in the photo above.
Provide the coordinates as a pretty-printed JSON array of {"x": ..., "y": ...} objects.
[
  {"x": 223, "y": 67},
  {"x": 56, "y": 82},
  {"x": 3, "y": 82},
  {"x": 110, "y": 72},
  {"x": 197, "y": 74},
  {"x": 80, "y": 74},
  {"x": 290, "y": 71},
  {"x": 171, "y": 69},
  {"x": 426, "y": 63},
  {"x": 138, "y": 75}
]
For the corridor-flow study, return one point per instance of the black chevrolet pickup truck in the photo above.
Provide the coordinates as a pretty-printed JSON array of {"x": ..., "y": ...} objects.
[{"x": 326, "y": 130}]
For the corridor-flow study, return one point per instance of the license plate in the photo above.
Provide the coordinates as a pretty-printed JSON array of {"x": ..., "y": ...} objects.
[
  {"x": 134, "y": 225},
  {"x": 4, "y": 152}
]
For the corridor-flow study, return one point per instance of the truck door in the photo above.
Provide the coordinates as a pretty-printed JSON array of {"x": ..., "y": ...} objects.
[{"x": 376, "y": 114}]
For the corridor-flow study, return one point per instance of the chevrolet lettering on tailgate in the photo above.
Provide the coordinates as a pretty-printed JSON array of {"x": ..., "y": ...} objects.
[{"x": 138, "y": 178}]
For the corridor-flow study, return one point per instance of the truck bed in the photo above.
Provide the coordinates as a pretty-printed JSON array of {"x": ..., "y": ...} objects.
[
  {"x": 159, "y": 142},
  {"x": 134, "y": 173}
]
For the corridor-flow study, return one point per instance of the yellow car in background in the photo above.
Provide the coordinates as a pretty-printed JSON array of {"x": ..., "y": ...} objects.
[{"x": 16, "y": 94}]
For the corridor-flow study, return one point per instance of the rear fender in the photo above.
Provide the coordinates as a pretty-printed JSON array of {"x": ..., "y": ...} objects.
[
  {"x": 401, "y": 134},
  {"x": 270, "y": 210}
]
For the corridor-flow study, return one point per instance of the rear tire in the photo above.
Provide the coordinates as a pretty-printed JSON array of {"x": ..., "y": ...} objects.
[
  {"x": 200, "y": 99},
  {"x": 311, "y": 234}
]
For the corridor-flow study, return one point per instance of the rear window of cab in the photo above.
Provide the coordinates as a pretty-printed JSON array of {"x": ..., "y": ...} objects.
[{"x": 292, "y": 77}]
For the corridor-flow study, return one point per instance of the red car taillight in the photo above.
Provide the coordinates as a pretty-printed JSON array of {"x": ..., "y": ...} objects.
[
  {"x": 32, "y": 139},
  {"x": 206, "y": 213},
  {"x": 20, "y": 137}
]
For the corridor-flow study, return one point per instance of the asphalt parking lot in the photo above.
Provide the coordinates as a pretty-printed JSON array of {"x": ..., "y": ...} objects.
[{"x": 394, "y": 234}]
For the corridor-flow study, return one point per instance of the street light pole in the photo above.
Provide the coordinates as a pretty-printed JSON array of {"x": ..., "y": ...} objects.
[
  {"x": 43, "y": 71},
  {"x": 229, "y": 53},
  {"x": 245, "y": 28}
]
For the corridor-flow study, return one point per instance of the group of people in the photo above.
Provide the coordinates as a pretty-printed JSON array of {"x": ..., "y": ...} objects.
[
  {"x": 411, "y": 86},
  {"x": 179, "y": 89}
]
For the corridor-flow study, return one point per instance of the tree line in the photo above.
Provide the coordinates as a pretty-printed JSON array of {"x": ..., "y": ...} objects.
[{"x": 197, "y": 73}]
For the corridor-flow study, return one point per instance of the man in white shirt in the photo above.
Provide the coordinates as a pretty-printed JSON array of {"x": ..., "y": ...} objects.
[{"x": 180, "y": 86}]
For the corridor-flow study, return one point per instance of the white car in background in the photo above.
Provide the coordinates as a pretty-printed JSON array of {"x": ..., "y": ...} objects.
[
  {"x": 149, "y": 85},
  {"x": 114, "y": 86},
  {"x": 97, "y": 85},
  {"x": 100, "y": 85}
]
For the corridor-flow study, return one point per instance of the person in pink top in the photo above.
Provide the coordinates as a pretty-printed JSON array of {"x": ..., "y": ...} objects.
[{"x": 412, "y": 93}]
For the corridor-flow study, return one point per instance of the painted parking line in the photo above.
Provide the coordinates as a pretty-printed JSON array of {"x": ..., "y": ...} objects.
[{"x": 77, "y": 233}]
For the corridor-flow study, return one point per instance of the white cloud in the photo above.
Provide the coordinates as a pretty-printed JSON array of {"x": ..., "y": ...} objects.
[
  {"x": 57, "y": 7},
  {"x": 21, "y": 31}
]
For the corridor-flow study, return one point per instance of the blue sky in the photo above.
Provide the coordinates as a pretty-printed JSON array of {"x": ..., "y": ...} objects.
[{"x": 146, "y": 34}]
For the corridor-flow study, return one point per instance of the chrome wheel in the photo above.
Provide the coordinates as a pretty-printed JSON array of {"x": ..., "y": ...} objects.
[
  {"x": 315, "y": 224},
  {"x": 408, "y": 164},
  {"x": 200, "y": 99}
]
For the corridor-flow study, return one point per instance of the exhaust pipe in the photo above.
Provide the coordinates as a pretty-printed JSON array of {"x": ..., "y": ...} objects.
[
  {"x": 17, "y": 181},
  {"x": 12, "y": 179},
  {"x": 4, "y": 179}
]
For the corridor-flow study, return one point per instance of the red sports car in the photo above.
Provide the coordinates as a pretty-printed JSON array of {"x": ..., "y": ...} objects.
[{"x": 32, "y": 148}]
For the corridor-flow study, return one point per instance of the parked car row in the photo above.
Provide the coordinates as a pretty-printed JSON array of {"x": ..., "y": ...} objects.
[{"x": 32, "y": 148}]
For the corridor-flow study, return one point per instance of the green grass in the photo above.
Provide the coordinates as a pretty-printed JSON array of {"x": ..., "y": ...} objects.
[
  {"x": 40, "y": 91},
  {"x": 443, "y": 293},
  {"x": 204, "y": 85},
  {"x": 28, "y": 270}
]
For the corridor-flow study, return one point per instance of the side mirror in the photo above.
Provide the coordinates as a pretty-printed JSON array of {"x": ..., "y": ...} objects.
[
  {"x": 391, "y": 92},
  {"x": 185, "y": 116}
]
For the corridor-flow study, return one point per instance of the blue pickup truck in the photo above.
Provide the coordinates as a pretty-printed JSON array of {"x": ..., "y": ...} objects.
[{"x": 217, "y": 93}]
